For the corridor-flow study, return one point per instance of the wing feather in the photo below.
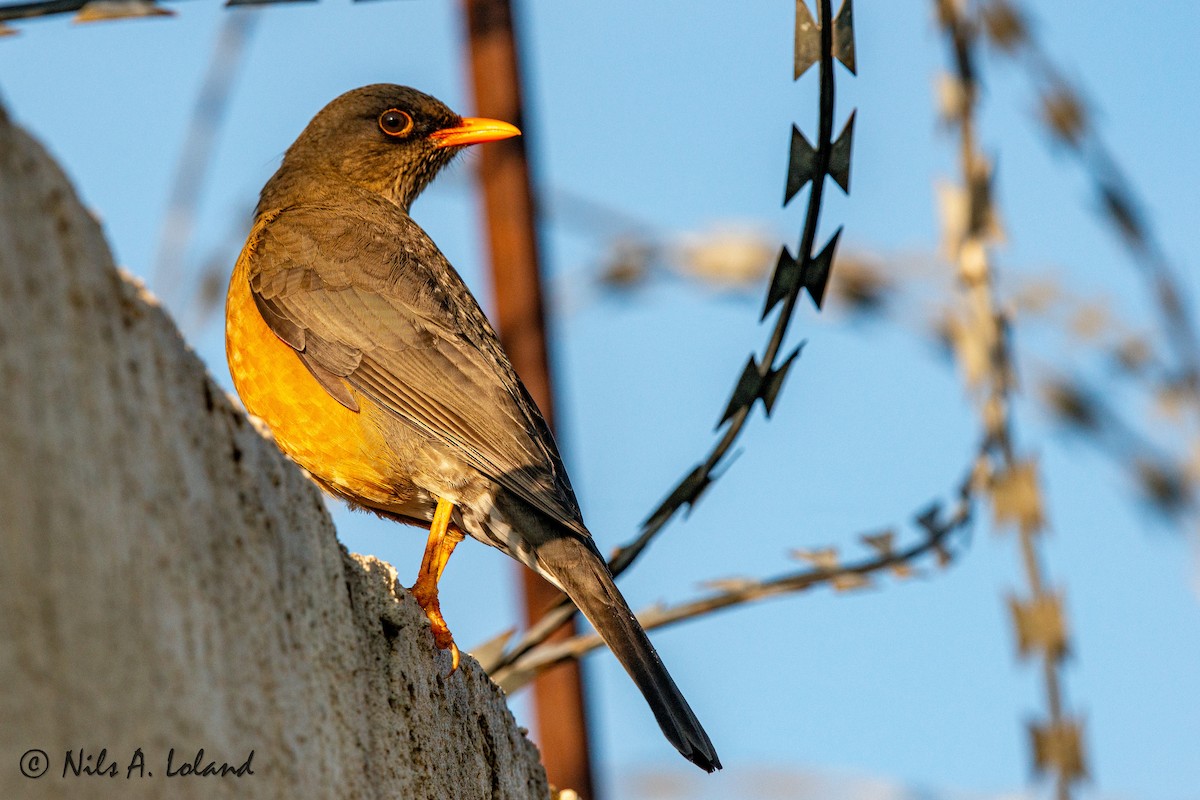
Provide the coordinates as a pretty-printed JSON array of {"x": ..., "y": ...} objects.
[{"x": 370, "y": 300}]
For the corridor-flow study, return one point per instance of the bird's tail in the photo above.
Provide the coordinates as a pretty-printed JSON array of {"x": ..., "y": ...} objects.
[{"x": 584, "y": 576}]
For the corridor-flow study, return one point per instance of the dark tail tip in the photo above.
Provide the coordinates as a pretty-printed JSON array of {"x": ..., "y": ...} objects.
[
  {"x": 584, "y": 576},
  {"x": 706, "y": 760},
  {"x": 672, "y": 711}
]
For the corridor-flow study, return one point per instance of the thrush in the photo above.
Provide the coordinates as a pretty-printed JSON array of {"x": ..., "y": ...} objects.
[{"x": 353, "y": 338}]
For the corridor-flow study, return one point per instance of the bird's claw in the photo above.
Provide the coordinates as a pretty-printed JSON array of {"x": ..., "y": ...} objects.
[{"x": 442, "y": 637}]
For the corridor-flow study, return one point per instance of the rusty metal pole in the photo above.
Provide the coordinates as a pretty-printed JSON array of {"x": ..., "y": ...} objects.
[{"x": 512, "y": 237}]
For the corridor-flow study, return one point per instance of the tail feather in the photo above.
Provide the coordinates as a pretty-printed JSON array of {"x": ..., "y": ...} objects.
[{"x": 581, "y": 572}]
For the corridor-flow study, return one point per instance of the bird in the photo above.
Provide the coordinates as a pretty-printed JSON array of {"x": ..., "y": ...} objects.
[{"x": 357, "y": 343}]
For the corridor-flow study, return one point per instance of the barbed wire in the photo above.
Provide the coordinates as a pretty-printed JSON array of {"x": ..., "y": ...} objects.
[
  {"x": 936, "y": 530},
  {"x": 763, "y": 376},
  {"x": 981, "y": 342},
  {"x": 981, "y": 339},
  {"x": 1067, "y": 120},
  {"x": 1163, "y": 469},
  {"x": 85, "y": 10},
  {"x": 194, "y": 163},
  {"x": 102, "y": 10}
]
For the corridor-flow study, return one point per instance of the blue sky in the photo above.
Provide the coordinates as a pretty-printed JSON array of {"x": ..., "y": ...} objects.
[{"x": 678, "y": 113}]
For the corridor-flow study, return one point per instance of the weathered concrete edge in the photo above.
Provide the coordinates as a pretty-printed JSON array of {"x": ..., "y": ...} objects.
[{"x": 159, "y": 513}]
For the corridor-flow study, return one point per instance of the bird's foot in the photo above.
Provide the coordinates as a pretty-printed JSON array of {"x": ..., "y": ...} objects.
[{"x": 427, "y": 599}]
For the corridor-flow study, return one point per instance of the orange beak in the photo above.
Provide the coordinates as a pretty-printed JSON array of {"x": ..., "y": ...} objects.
[{"x": 474, "y": 130}]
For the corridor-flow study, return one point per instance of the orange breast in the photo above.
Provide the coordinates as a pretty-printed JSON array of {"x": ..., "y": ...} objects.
[{"x": 340, "y": 447}]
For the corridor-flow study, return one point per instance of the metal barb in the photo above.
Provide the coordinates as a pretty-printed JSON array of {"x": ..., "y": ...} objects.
[
  {"x": 687, "y": 492},
  {"x": 745, "y": 391},
  {"x": 39, "y": 8},
  {"x": 816, "y": 270},
  {"x": 843, "y": 36},
  {"x": 773, "y": 382},
  {"x": 808, "y": 40},
  {"x": 106, "y": 10},
  {"x": 839, "y": 155},
  {"x": 802, "y": 165},
  {"x": 784, "y": 281},
  {"x": 928, "y": 518}
]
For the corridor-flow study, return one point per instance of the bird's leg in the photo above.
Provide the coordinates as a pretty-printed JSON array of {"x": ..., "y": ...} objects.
[{"x": 443, "y": 538}]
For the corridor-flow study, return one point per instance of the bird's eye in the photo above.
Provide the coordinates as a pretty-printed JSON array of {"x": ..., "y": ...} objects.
[{"x": 395, "y": 122}]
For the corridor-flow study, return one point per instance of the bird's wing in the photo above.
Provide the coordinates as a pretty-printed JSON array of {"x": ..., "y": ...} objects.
[{"x": 366, "y": 297}]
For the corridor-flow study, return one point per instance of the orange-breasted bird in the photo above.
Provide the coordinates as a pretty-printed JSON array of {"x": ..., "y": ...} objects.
[{"x": 353, "y": 338}]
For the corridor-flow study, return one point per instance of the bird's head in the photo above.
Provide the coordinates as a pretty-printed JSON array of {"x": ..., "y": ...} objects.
[{"x": 389, "y": 139}]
